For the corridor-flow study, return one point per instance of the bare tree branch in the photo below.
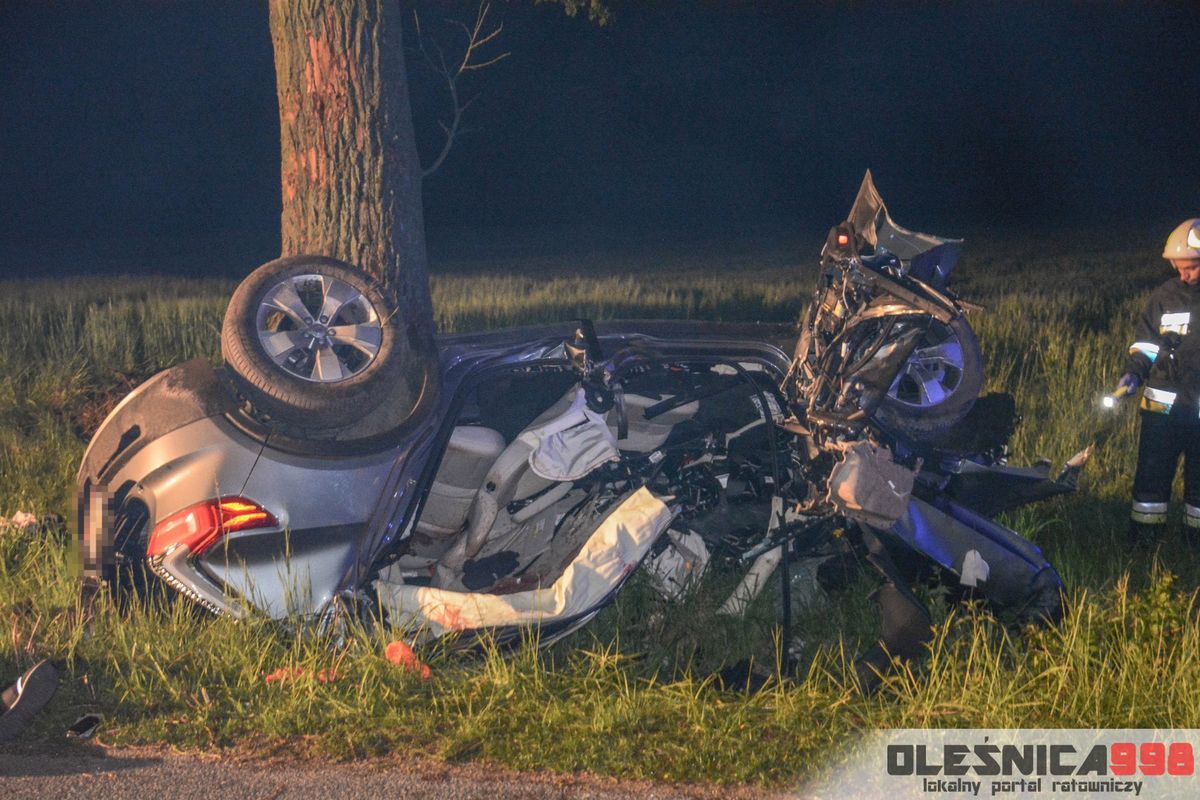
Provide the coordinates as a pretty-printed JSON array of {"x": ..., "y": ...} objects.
[{"x": 478, "y": 36}]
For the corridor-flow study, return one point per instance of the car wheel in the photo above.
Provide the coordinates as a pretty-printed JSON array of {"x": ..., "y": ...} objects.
[
  {"x": 311, "y": 341},
  {"x": 938, "y": 383}
]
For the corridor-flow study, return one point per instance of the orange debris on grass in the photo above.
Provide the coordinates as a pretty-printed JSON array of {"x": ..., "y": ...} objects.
[{"x": 402, "y": 655}]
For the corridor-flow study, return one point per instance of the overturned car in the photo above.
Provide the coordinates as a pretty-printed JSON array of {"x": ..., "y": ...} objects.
[{"x": 541, "y": 466}]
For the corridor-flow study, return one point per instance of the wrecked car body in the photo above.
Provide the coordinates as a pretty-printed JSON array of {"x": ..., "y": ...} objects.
[{"x": 542, "y": 466}]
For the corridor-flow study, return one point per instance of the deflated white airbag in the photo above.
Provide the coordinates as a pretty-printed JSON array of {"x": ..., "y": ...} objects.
[
  {"x": 613, "y": 551},
  {"x": 572, "y": 445}
]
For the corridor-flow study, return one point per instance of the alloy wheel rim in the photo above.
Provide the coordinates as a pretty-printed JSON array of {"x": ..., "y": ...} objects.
[
  {"x": 318, "y": 328},
  {"x": 932, "y": 373}
]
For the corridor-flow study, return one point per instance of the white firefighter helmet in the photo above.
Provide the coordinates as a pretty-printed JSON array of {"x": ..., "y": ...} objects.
[{"x": 1184, "y": 241}]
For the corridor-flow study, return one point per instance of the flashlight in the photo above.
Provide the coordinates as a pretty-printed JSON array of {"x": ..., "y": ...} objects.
[{"x": 1110, "y": 400}]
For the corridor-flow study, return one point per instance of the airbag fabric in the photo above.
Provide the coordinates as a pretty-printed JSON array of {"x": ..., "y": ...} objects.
[
  {"x": 572, "y": 445},
  {"x": 608, "y": 556}
]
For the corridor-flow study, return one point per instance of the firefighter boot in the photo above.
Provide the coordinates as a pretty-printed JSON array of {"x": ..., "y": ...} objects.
[{"x": 1191, "y": 524}]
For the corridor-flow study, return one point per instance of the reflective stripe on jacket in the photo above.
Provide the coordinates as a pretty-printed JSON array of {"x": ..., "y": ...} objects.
[{"x": 1165, "y": 352}]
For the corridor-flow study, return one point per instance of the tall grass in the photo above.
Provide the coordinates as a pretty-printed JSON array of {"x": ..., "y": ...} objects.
[{"x": 633, "y": 694}]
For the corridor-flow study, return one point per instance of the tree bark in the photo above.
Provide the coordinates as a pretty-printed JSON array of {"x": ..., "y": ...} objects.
[{"x": 350, "y": 171}]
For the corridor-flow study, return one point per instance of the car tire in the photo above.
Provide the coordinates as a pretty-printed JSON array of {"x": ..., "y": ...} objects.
[
  {"x": 312, "y": 342},
  {"x": 938, "y": 383}
]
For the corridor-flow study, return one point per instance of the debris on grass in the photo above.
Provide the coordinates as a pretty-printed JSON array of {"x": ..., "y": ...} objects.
[
  {"x": 22, "y": 521},
  {"x": 285, "y": 674},
  {"x": 85, "y": 727},
  {"x": 402, "y": 655}
]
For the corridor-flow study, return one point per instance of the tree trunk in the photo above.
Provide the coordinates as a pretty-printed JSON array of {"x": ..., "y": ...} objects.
[{"x": 350, "y": 171}]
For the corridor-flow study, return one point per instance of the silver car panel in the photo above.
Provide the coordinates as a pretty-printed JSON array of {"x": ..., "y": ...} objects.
[
  {"x": 203, "y": 459},
  {"x": 322, "y": 505}
]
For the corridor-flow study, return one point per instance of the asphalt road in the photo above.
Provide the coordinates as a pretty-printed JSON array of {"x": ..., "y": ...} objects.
[{"x": 93, "y": 772}]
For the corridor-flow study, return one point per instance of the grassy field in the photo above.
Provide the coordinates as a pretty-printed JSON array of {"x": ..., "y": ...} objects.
[{"x": 626, "y": 696}]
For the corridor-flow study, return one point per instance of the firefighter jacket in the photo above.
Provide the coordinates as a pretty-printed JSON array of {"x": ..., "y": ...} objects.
[{"x": 1165, "y": 353}]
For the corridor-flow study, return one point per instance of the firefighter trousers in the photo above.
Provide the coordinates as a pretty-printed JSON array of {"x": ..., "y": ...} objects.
[{"x": 1164, "y": 438}]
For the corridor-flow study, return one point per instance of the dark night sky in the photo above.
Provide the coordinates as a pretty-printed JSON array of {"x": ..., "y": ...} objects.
[{"x": 147, "y": 132}]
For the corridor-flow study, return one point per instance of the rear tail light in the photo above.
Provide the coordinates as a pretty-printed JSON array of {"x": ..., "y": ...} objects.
[{"x": 199, "y": 526}]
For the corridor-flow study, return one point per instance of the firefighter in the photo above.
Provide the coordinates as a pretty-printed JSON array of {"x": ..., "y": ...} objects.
[{"x": 1165, "y": 359}]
